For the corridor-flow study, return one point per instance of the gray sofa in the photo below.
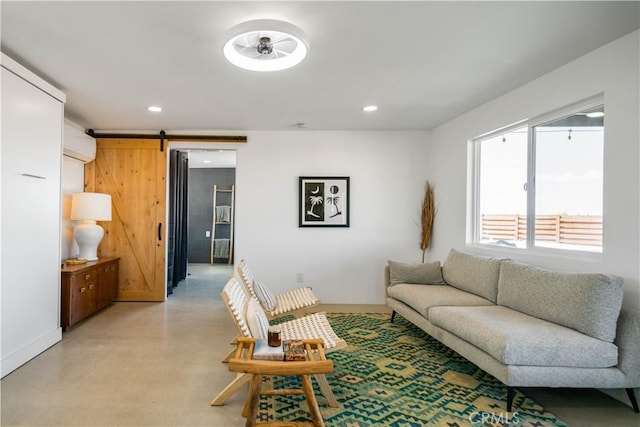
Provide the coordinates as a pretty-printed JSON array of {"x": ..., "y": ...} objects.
[{"x": 526, "y": 326}]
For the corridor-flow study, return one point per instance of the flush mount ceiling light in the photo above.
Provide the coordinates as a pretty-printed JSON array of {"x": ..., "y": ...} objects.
[
  {"x": 265, "y": 45},
  {"x": 154, "y": 109},
  {"x": 369, "y": 108}
]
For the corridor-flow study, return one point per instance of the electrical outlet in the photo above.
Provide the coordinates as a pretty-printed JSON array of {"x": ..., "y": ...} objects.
[
  {"x": 299, "y": 277},
  {"x": 207, "y": 233}
]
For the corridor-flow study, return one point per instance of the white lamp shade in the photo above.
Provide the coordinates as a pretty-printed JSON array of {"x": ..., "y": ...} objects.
[{"x": 95, "y": 206}]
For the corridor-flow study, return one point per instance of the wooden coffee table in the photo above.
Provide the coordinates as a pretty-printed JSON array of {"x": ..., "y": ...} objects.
[{"x": 316, "y": 363}]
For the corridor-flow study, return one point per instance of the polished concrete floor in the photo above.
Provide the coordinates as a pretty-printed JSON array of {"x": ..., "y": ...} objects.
[{"x": 158, "y": 364}]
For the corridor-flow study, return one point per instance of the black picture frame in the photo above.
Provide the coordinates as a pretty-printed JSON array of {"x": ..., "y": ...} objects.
[{"x": 323, "y": 201}]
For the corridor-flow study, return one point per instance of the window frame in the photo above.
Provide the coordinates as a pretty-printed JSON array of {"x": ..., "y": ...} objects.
[{"x": 474, "y": 223}]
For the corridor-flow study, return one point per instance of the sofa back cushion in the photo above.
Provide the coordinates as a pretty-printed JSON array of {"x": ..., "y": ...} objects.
[
  {"x": 587, "y": 302},
  {"x": 472, "y": 273}
]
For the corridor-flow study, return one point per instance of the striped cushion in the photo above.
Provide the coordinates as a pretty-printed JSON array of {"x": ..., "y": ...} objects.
[
  {"x": 265, "y": 296},
  {"x": 256, "y": 320}
]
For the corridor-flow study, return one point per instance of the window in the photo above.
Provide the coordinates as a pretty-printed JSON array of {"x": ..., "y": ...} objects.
[{"x": 549, "y": 169}]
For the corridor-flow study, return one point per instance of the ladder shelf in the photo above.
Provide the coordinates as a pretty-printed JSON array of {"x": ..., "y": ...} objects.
[{"x": 222, "y": 217}]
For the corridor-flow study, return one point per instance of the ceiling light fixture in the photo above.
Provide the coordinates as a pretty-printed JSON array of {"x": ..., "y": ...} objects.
[
  {"x": 370, "y": 108},
  {"x": 154, "y": 109},
  {"x": 595, "y": 114},
  {"x": 265, "y": 45}
]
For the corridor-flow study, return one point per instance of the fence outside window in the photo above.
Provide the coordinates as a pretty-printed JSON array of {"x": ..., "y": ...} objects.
[{"x": 585, "y": 230}]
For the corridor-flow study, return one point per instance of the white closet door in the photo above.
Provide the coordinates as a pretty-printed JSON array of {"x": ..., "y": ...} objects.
[{"x": 31, "y": 163}]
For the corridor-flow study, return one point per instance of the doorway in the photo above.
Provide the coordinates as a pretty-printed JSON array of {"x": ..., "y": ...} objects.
[{"x": 200, "y": 235}]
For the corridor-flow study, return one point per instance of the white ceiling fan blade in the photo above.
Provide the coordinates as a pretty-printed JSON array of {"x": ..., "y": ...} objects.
[
  {"x": 282, "y": 39},
  {"x": 281, "y": 52},
  {"x": 242, "y": 41},
  {"x": 251, "y": 40},
  {"x": 247, "y": 51},
  {"x": 252, "y": 54}
]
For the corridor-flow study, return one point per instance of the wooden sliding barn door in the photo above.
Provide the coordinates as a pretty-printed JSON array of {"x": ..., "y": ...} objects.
[{"x": 133, "y": 172}]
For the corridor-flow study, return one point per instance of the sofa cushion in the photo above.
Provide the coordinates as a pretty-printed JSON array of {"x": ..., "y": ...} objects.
[
  {"x": 426, "y": 274},
  {"x": 515, "y": 338},
  {"x": 422, "y": 298},
  {"x": 587, "y": 302},
  {"x": 472, "y": 273}
]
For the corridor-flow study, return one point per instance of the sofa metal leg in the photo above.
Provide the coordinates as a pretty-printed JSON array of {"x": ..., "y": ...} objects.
[
  {"x": 510, "y": 394},
  {"x": 632, "y": 397},
  {"x": 393, "y": 315}
]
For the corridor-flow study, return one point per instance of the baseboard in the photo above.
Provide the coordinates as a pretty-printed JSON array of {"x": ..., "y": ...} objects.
[{"x": 18, "y": 358}]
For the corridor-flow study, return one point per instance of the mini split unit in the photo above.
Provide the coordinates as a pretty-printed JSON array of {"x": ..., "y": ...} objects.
[{"x": 77, "y": 144}]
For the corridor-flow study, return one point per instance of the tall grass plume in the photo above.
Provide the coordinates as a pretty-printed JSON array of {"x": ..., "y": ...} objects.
[{"x": 427, "y": 214}]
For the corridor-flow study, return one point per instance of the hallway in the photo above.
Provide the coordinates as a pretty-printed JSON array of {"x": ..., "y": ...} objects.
[{"x": 203, "y": 282}]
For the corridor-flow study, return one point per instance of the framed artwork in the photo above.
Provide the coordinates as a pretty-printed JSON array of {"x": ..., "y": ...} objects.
[{"x": 324, "y": 201}]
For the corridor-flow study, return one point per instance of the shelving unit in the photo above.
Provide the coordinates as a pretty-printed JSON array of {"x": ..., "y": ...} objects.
[{"x": 222, "y": 217}]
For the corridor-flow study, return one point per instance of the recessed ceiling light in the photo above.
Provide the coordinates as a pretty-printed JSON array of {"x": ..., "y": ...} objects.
[
  {"x": 265, "y": 45},
  {"x": 595, "y": 114},
  {"x": 369, "y": 108},
  {"x": 154, "y": 109},
  {"x": 206, "y": 161}
]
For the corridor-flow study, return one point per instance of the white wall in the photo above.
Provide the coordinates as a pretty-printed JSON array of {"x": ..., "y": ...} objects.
[
  {"x": 612, "y": 70},
  {"x": 78, "y": 149},
  {"x": 343, "y": 265}
]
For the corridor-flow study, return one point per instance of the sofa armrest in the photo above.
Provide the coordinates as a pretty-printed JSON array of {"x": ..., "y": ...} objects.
[
  {"x": 387, "y": 277},
  {"x": 628, "y": 342}
]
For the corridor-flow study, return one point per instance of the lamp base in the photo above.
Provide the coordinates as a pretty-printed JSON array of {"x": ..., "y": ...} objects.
[{"x": 88, "y": 235}]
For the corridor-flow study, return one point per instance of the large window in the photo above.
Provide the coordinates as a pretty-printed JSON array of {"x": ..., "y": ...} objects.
[{"x": 539, "y": 183}]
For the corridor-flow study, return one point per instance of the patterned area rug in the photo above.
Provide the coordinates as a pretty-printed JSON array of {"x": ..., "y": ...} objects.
[{"x": 394, "y": 374}]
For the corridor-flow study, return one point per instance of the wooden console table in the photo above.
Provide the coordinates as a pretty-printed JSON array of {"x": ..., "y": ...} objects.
[
  {"x": 87, "y": 288},
  {"x": 316, "y": 363}
]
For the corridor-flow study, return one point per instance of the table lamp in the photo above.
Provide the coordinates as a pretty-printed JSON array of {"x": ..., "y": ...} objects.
[{"x": 89, "y": 208}]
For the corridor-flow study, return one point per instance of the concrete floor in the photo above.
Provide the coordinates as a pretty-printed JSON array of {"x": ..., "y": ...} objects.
[{"x": 158, "y": 364}]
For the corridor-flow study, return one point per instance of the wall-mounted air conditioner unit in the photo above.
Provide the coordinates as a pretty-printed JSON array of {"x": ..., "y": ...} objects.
[{"x": 77, "y": 144}]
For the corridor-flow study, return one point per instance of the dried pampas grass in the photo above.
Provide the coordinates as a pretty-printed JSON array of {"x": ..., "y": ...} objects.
[{"x": 427, "y": 213}]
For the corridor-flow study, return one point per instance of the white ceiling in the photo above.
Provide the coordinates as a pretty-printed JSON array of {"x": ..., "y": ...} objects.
[{"x": 423, "y": 63}]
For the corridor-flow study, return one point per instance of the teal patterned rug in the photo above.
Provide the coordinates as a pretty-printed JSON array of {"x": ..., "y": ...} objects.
[{"x": 394, "y": 374}]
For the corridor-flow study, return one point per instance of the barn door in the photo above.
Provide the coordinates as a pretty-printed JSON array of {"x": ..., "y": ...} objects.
[{"x": 133, "y": 172}]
